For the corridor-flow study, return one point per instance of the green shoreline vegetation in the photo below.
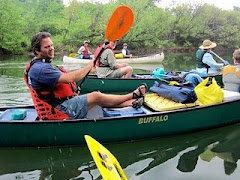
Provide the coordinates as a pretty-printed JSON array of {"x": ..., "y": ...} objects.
[{"x": 154, "y": 27}]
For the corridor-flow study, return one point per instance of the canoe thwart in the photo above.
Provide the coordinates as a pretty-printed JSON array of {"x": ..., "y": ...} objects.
[{"x": 126, "y": 111}]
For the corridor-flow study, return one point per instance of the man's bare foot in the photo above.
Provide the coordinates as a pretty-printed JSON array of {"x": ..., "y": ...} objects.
[{"x": 140, "y": 91}]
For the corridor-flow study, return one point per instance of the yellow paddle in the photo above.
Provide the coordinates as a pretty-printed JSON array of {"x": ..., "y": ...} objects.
[
  {"x": 107, "y": 164},
  {"x": 118, "y": 25}
]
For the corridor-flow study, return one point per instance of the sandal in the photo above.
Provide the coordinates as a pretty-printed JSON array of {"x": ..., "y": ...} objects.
[
  {"x": 135, "y": 95},
  {"x": 138, "y": 103}
]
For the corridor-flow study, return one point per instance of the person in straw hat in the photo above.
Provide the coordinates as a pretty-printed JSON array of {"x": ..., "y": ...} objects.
[{"x": 205, "y": 61}]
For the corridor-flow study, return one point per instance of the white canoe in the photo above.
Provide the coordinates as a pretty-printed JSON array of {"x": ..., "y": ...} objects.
[
  {"x": 149, "y": 67},
  {"x": 155, "y": 58}
]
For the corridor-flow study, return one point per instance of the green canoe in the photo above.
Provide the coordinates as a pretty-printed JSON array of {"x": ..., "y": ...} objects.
[
  {"x": 113, "y": 85},
  {"x": 150, "y": 124}
]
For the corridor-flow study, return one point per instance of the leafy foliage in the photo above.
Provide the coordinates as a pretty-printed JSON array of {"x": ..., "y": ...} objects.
[
  {"x": 185, "y": 25},
  {"x": 12, "y": 26}
]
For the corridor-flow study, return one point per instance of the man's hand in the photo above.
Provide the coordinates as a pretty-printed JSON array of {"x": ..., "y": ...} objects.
[
  {"x": 124, "y": 64},
  {"x": 225, "y": 63}
]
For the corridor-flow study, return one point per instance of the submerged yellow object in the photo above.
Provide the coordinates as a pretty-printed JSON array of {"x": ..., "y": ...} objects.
[
  {"x": 159, "y": 103},
  {"x": 107, "y": 164}
]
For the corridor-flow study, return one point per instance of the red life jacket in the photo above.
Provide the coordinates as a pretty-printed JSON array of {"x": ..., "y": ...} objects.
[
  {"x": 44, "y": 100},
  {"x": 61, "y": 91},
  {"x": 65, "y": 90},
  {"x": 85, "y": 52},
  {"x": 97, "y": 55},
  {"x": 98, "y": 52}
]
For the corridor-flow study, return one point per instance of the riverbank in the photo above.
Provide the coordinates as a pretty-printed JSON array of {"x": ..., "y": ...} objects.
[{"x": 140, "y": 51}]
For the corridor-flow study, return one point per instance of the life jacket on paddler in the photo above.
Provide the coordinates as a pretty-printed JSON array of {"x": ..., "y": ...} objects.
[
  {"x": 44, "y": 101},
  {"x": 231, "y": 77},
  {"x": 230, "y": 69},
  {"x": 97, "y": 55},
  {"x": 85, "y": 52},
  {"x": 199, "y": 56},
  {"x": 127, "y": 52}
]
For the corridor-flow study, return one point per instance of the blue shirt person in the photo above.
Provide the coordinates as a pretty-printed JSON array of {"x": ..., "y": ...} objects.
[
  {"x": 43, "y": 76},
  {"x": 205, "y": 61}
]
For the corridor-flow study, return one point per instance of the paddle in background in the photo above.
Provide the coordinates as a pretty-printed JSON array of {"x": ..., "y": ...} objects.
[
  {"x": 224, "y": 61},
  {"x": 107, "y": 164},
  {"x": 118, "y": 25}
]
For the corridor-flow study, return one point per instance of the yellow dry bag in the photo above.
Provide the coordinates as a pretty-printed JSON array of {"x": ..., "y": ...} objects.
[{"x": 208, "y": 92}]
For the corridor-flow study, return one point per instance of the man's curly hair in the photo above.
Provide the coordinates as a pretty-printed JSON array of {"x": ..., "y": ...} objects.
[{"x": 36, "y": 41}]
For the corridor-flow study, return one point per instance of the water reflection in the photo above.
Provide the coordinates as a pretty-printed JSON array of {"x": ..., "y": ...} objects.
[
  {"x": 179, "y": 62},
  {"x": 189, "y": 155},
  {"x": 13, "y": 90},
  {"x": 183, "y": 62}
]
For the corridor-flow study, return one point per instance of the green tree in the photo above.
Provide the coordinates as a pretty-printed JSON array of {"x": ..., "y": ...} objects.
[
  {"x": 151, "y": 24},
  {"x": 185, "y": 25},
  {"x": 44, "y": 15},
  {"x": 12, "y": 37}
]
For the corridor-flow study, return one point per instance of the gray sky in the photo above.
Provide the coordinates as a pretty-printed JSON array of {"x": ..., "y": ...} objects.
[{"x": 223, "y": 4}]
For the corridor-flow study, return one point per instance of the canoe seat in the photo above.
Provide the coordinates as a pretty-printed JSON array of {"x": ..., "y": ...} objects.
[
  {"x": 44, "y": 110},
  {"x": 125, "y": 111},
  {"x": 159, "y": 103},
  {"x": 16, "y": 114}
]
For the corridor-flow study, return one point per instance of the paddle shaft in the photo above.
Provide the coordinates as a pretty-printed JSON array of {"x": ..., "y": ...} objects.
[
  {"x": 118, "y": 25},
  {"x": 94, "y": 63},
  {"x": 217, "y": 56}
]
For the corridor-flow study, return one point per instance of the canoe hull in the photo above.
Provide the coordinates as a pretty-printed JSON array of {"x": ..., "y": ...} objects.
[
  {"x": 117, "y": 129},
  {"x": 113, "y": 85}
]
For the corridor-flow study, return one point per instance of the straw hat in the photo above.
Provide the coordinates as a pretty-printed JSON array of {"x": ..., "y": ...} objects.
[
  {"x": 124, "y": 44},
  {"x": 85, "y": 42},
  {"x": 207, "y": 44}
]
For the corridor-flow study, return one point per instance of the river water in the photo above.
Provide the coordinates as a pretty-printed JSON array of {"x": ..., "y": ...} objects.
[{"x": 211, "y": 154}]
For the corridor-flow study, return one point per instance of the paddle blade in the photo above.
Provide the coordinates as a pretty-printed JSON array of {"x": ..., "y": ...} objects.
[
  {"x": 106, "y": 163},
  {"x": 119, "y": 23}
]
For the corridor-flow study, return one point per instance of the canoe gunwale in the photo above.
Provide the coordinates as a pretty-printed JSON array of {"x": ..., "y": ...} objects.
[
  {"x": 119, "y": 79},
  {"x": 102, "y": 119},
  {"x": 152, "y": 58}
]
